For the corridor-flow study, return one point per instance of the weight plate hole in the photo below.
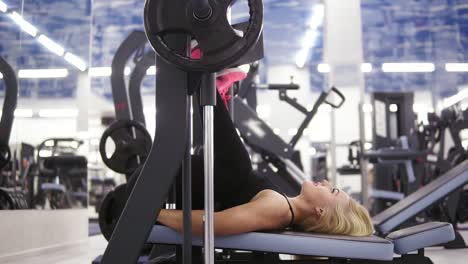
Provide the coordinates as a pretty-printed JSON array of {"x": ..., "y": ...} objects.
[{"x": 110, "y": 148}]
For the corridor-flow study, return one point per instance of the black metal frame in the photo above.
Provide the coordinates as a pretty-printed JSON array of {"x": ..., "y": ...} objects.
[
  {"x": 124, "y": 109},
  {"x": 169, "y": 149},
  {"x": 134, "y": 86},
  {"x": 136, "y": 40},
  {"x": 10, "y": 101}
]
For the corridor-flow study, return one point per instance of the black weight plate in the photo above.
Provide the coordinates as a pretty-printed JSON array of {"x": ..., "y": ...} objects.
[
  {"x": 220, "y": 44},
  {"x": 133, "y": 179},
  {"x": 111, "y": 209},
  {"x": 6, "y": 200},
  {"x": 127, "y": 148}
]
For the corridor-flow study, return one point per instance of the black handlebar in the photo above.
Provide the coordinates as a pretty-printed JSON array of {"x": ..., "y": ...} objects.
[
  {"x": 290, "y": 86},
  {"x": 340, "y": 95}
]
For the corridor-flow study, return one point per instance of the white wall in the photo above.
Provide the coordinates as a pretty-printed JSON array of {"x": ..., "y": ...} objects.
[{"x": 30, "y": 230}]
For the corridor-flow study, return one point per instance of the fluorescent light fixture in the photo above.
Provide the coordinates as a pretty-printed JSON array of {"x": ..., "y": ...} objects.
[
  {"x": 58, "y": 113},
  {"x": 100, "y": 72},
  {"x": 408, "y": 67},
  {"x": 323, "y": 68},
  {"x": 301, "y": 57},
  {"x": 366, "y": 67},
  {"x": 106, "y": 71},
  {"x": 393, "y": 108},
  {"x": 367, "y": 108},
  {"x": 51, "y": 45},
  {"x": 318, "y": 16},
  {"x": 311, "y": 35},
  {"x": 25, "y": 113},
  {"x": 75, "y": 61},
  {"x": 460, "y": 96},
  {"x": 3, "y": 7},
  {"x": 456, "y": 67},
  {"x": 309, "y": 39},
  {"x": 24, "y": 25},
  {"x": 42, "y": 73},
  {"x": 151, "y": 70}
]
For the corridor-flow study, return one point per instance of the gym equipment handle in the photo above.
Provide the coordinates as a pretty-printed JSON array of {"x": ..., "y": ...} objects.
[{"x": 340, "y": 95}]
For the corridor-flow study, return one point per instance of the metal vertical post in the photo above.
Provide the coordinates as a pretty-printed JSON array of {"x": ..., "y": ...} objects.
[
  {"x": 208, "y": 101},
  {"x": 187, "y": 189}
]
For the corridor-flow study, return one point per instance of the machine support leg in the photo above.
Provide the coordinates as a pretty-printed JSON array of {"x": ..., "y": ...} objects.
[{"x": 208, "y": 101}]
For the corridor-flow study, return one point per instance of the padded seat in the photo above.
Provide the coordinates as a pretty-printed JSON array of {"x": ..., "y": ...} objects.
[
  {"x": 421, "y": 236},
  {"x": 391, "y": 218},
  {"x": 65, "y": 161},
  {"x": 295, "y": 243}
]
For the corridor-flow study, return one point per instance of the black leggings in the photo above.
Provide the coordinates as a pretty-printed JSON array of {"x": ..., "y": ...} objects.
[{"x": 235, "y": 182}]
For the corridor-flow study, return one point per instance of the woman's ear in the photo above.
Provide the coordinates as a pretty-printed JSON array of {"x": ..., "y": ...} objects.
[{"x": 318, "y": 211}]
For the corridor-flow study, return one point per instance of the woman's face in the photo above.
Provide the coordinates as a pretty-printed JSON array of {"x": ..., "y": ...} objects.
[{"x": 323, "y": 195}]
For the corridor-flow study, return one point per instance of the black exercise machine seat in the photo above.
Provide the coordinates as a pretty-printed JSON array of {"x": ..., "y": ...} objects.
[
  {"x": 394, "y": 154},
  {"x": 333, "y": 246},
  {"x": 421, "y": 236},
  {"x": 65, "y": 162},
  {"x": 420, "y": 200}
]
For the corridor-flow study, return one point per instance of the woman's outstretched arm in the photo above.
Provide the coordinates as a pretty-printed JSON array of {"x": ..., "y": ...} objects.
[{"x": 253, "y": 216}]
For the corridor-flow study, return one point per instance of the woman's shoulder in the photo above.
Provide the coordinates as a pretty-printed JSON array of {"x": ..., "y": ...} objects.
[{"x": 266, "y": 194}]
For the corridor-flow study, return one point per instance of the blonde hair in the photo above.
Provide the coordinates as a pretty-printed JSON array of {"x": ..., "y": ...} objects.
[{"x": 352, "y": 221}]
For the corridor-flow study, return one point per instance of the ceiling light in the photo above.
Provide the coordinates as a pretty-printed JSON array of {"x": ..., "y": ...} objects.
[
  {"x": 301, "y": 57},
  {"x": 42, "y": 73},
  {"x": 460, "y": 96},
  {"x": 366, "y": 67},
  {"x": 3, "y": 7},
  {"x": 75, "y": 61},
  {"x": 456, "y": 67},
  {"x": 25, "y": 113},
  {"x": 408, "y": 67},
  {"x": 51, "y": 45},
  {"x": 100, "y": 72},
  {"x": 323, "y": 68},
  {"x": 24, "y": 25}
]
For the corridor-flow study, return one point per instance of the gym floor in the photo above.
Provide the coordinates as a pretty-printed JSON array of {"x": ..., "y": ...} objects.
[{"x": 86, "y": 251}]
